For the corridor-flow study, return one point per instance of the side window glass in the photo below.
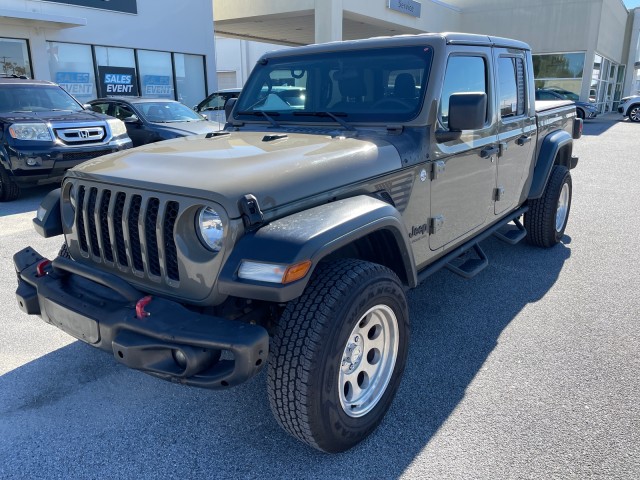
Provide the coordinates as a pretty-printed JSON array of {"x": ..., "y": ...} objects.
[
  {"x": 122, "y": 112},
  {"x": 512, "y": 86},
  {"x": 216, "y": 103},
  {"x": 100, "y": 107},
  {"x": 464, "y": 74}
]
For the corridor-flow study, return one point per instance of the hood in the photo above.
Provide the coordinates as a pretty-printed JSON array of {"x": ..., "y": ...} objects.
[
  {"x": 54, "y": 116},
  {"x": 187, "y": 128},
  {"x": 226, "y": 167}
]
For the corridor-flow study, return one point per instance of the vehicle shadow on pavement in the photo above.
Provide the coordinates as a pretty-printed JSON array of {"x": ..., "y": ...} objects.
[
  {"x": 98, "y": 418},
  {"x": 597, "y": 126},
  {"x": 28, "y": 201}
]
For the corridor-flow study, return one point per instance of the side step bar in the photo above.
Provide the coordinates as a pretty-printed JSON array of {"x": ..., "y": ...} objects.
[
  {"x": 456, "y": 252},
  {"x": 511, "y": 235},
  {"x": 468, "y": 266}
]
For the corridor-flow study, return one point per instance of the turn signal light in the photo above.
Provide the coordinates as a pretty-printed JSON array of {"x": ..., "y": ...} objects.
[{"x": 296, "y": 272}]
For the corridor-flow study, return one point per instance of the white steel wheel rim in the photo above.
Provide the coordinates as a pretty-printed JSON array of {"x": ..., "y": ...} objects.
[
  {"x": 563, "y": 207},
  {"x": 368, "y": 361},
  {"x": 635, "y": 114}
]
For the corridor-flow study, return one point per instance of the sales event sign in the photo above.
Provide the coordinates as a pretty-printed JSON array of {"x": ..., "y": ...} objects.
[
  {"x": 76, "y": 83},
  {"x": 410, "y": 7},
  {"x": 157, "y": 86},
  {"x": 118, "y": 81}
]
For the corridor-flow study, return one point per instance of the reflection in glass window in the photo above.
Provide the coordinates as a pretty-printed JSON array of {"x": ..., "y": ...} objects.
[
  {"x": 71, "y": 67},
  {"x": 558, "y": 65},
  {"x": 14, "y": 57},
  {"x": 464, "y": 74},
  {"x": 190, "y": 78},
  {"x": 512, "y": 86},
  {"x": 156, "y": 74}
]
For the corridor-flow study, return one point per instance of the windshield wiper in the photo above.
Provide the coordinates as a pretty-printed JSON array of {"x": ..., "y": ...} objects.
[
  {"x": 334, "y": 115},
  {"x": 266, "y": 115}
]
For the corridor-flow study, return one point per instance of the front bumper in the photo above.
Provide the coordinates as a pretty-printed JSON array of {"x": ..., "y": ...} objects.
[
  {"x": 47, "y": 164},
  {"x": 163, "y": 338}
]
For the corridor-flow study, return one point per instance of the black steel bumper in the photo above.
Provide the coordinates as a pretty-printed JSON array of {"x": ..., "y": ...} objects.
[{"x": 161, "y": 338}]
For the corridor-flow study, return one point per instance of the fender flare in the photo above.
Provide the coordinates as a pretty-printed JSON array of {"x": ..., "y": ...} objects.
[
  {"x": 551, "y": 145},
  {"x": 312, "y": 235}
]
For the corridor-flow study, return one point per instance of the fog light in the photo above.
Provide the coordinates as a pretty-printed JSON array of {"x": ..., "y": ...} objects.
[
  {"x": 180, "y": 358},
  {"x": 32, "y": 162}
]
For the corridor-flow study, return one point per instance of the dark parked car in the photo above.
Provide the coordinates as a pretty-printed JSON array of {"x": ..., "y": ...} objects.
[
  {"x": 583, "y": 109},
  {"x": 150, "y": 120},
  {"x": 44, "y": 131}
]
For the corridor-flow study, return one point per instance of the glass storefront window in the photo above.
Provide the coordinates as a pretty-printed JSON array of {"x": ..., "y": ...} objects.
[
  {"x": 71, "y": 67},
  {"x": 190, "y": 78},
  {"x": 116, "y": 71},
  {"x": 14, "y": 57},
  {"x": 156, "y": 74},
  {"x": 559, "y": 71}
]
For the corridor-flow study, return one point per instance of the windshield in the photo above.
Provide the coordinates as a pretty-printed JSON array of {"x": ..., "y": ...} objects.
[
  {"x": 384, "y": 85},
  {"x": 36, "y": 98},
  {"x": 167, "y": 112}
]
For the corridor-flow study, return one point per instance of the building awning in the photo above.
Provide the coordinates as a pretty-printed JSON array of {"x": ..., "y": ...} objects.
[{"x": 40, "y": 19}]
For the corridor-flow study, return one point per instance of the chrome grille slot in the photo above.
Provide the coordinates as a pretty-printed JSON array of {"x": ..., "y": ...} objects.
[
  {"x": 130, "y": 232},
  {"x": 81, "y": 135}
]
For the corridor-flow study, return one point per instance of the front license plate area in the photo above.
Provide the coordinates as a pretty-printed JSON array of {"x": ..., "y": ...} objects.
[{"x": 73, "y": 323}]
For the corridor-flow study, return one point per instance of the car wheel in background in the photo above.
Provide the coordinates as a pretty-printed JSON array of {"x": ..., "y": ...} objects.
[
  {"x": 9, "y": 189},
  {"x": 634, "y": 113}
]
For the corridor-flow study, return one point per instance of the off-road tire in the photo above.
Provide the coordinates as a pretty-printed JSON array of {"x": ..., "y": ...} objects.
[
  {"x": 634, "y": 113},
  {"x": 580, "y": 113},
  {"x": 64, "y": 251},
  {"x": 9, "y": 190},
  {"x": 308, "y": 350},
  {"x": 540, "y": 220}
]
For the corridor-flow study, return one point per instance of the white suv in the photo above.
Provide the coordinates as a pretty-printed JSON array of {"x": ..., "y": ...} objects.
[{"x": 630, "y": 107}]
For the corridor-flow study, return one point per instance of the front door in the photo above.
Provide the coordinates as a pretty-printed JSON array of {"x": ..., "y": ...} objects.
[
  {"x": 462, "y": 191},
  {"x": 516, "y": 127}
]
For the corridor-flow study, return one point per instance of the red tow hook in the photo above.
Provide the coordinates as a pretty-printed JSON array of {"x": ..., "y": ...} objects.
[
  {"x": 143, "y": 302},
  {"x": 43, "y": 267}
]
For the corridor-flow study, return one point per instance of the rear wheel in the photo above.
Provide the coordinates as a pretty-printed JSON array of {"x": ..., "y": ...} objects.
[
  {"x": 547, "y": 217},
  {"x": 634, "y": 113},
  {"x": 9, "y": 189},
  {"x": 580, "y": 113},
  {"x": 338, "y": 354}
]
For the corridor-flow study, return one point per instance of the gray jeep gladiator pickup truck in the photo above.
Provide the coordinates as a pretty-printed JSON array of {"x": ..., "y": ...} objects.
[{"x": 290, "y": 238}]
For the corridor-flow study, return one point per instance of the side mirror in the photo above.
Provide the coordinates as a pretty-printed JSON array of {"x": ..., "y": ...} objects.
[
  {"x": 195, "y": 108},
  {"x": 87, "y": 106},
  {"x": 467, "y": 111},
  {"x": 133, "y": 119},
  {"x": 228, "y": 107}
]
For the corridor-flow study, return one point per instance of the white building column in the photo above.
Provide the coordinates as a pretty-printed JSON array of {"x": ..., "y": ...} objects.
[{"x": 328, "y": 20}]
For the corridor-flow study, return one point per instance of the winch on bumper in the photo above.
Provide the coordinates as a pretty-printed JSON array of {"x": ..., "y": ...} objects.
[{"x": 155, "y": 335}]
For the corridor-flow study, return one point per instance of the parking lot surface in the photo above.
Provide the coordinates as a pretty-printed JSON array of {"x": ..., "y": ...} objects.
[{"x": 529, "y": 370}]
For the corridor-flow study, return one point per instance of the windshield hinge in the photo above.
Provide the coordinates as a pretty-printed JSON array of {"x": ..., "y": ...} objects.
[
  {"x": 250, "y": 210},
  {"x": 395, "y": 129}
]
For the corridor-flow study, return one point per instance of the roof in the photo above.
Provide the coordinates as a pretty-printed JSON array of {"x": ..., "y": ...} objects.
[
  {"x": 23, "y": 81},
  {"x": 450, "y": 38},
  {"x": 132, "y": 99}
]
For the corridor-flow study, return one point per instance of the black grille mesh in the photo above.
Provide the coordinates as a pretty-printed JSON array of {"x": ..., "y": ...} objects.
[
  {"x": 170, "y": 215},
  {"x": 151, "y": 251},
  {"x": 134, "y": 233}
]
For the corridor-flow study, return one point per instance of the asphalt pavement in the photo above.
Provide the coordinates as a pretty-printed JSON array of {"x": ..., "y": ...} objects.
[{"x": 529, "y": 370}]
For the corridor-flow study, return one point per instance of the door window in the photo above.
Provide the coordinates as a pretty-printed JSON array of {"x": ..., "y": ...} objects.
[
  {"x": 122, "y": 112},
  {"x": 511, "y": 79},
  {"x": 464, "y": 74}
]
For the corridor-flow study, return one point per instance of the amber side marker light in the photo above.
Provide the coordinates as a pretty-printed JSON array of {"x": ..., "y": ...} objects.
[{"x": 296, "y": 272}]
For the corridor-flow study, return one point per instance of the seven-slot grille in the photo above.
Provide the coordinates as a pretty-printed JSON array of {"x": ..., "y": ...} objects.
[{"x": 132, "y": 231}]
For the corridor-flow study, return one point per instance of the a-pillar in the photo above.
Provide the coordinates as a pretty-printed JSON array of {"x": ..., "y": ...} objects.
[{"x": 328, "y": 20}]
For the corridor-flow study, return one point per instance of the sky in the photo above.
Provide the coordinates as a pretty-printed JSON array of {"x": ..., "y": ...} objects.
[{"x": 632, "y": 3}]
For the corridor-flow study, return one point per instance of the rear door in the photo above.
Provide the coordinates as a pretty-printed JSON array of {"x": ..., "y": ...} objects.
[
  {"x": 462, "y": 192},
  {"x": 516, "y": 126}
]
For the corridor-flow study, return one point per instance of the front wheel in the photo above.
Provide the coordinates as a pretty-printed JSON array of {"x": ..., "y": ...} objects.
[
  {"x": 634, "y": 113},
  {"x": 547, "y": 217},
  {"x": 338, "y": 354}
]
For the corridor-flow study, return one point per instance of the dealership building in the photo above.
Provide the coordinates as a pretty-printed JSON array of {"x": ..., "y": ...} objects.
[
  {"x": 589, "y": 47},
  {"x": 94, "y": 48},
  {"x": 167, "y": 48}
]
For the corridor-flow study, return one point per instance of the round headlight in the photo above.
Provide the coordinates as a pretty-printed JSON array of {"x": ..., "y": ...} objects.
[{"x": 210, "y": 229}]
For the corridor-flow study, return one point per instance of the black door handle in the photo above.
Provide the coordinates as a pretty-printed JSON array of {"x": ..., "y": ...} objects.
[
  {"x": 522, "y": 140},
  {"x": 489, "y": 151}
]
